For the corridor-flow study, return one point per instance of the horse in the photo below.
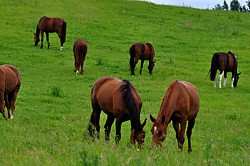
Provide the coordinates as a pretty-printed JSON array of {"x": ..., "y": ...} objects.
[
  {"x": 80, "y": 49},
  {"x": 224, "y": 62},
  {"x": 10, "y": 82},
  {"x": 121, "y": 102},
  {"x": 180, "y": 104},
  {"x": 50, "y": 25},
  {"x": 143, "y": 52}
]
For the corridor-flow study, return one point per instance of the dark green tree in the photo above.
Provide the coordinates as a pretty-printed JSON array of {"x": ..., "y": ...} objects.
[
  {"x": 248, "y": 4},
  {"x": 225, "y": 5},
  {"x": 218, "y": 7},
  {"x": 235, "y": 5}
]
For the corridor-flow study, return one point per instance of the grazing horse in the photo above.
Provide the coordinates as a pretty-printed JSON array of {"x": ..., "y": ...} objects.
[
  {"x": 50, "y": 25},
  {"x": 10, "y": 82},
  {"x": 225, "y": 62},
  {"x": 180, "y": 104},
  {"x": 80, "y": 49},
  {"x": 143, "y": 52},
  {"x": 119, "y": 100}
]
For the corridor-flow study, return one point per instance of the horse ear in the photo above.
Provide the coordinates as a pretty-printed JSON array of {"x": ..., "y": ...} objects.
[
  {"x": 144, "y": 123},
  {"x": 154, "y": 61},
  {"x": 239, "y": 74},
  {"x": 152, "y": 118},
  {"x": 163, "y": 119}
]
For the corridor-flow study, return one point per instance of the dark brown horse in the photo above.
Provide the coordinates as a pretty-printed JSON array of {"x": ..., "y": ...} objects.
[
  {"x": 180, "y": 104},
  {"x": 50, "y": 25},
  {"x": 143, "y": 52},
  {"x": 119, "y": 100},
  {"x": 80, "y": 49},
  {"x": 225, "y": 62},
  {"x": 10, "y": 82}
]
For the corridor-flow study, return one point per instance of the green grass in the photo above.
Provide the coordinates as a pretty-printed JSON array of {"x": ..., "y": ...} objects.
[{"x": 53, "y": 105}]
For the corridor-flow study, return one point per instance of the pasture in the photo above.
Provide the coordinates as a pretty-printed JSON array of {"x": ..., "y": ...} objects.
[{"x": 53, "y": 105}]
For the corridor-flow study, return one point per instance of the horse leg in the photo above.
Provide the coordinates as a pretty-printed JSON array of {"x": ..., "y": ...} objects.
[
  {"x": 13, "y": 101},
  {"x": 225, "y": 79},
  {"x": 189, "y": 133},
  {"x": 2, "y": 104},
  {"x": 118, "y": 124},
  {"x": 232, "y": 83},
  {"x": 132, "y": 65},
  {"x": 95, "y": 120},
  {"x": 82, "y": 69},
  {"x": 47, "y": 37},
  {"x": 182, "y": 133},
  {"x": 220, "y": 78},
  {"x": 176, "y": 128},
  {"x": 142, "y": 61},
  {"x": 42, "y": 35},
  {"x": 107, "y": 126},
  {"x": 7, "y": 99}
]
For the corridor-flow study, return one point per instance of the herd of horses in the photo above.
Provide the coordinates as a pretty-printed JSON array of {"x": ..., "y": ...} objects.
[{"x": 119, "y": 98}]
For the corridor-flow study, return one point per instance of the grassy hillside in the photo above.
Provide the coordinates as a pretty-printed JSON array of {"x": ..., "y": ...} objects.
[{"x": 53, "y": 105}]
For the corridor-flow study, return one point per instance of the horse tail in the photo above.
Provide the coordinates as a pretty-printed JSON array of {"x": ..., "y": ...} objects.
[
  {"x": 214, "y": 66},
  {"x": 132, "y": 56},
  {"x": 64, "y": 26},
  {"x": 129, "y": 103}
]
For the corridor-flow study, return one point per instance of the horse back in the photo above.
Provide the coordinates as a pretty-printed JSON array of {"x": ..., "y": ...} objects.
[
  {"x": 104, "y": 92},
  {"x": 47, "y": 24}
]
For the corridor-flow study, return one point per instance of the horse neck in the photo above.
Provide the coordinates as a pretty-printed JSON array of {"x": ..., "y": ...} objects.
[
  {"x": 130, "y": 103},
  {"x": 37, "y": 31}
]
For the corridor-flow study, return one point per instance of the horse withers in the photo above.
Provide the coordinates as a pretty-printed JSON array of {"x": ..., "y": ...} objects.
[
  {"x": 80, "y": 50},
  {"x": 179, "y": 105},
  {"x": 10, "y": 82},
  {"x": 224, "y": 62},
  {"x": 141, "y": 51},
  {"x": 121, "y": 102},
  {"x": 50, "y": 25}
]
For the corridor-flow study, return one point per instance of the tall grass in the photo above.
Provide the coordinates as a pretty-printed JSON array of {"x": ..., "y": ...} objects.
[{"x": 53, "y": 105}]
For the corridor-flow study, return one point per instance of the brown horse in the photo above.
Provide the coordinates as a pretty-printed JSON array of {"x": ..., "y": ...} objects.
[
  {"x": 180, "y": 104},
  {"x": 143, "y": 52},
  {"x": 119, "y": 100},
  {"x": 50, "y": 25},
  {"x": 80, "y": 49},
  {"x": 10, "y": 82},
  {"x": 225, "y": 62}
]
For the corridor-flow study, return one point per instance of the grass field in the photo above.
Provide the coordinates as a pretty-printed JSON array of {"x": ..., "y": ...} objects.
[{"x": 53, "y": 105}]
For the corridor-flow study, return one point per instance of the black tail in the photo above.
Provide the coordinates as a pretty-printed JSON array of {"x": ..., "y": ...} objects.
[
  {"x": 132, "y": 58},
  {"x": 130, "y": 104},
  {"x": 214, "y": 66},
  {"x": 63, "y": 38}
]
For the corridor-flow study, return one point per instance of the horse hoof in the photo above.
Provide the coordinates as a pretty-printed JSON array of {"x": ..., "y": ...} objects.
[{"x": 61, "y": 48}]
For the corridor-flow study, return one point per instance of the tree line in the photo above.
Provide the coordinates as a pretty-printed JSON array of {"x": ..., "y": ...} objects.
[{"x": 234, "y": 6}]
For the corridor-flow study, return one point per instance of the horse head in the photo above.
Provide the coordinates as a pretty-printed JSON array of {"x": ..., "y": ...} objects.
[
  {"x": 151, "y": 66},
  {"x": 158, "y": 130},
  {"x": 236, "y": 78},
  {"x": 36, "y": 39},
  {"x": 138, "y": 136}
]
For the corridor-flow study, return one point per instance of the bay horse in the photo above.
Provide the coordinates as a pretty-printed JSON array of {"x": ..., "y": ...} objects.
[
  {"x": 80, "y": 49},
  {"x": 180, "y": 104},
  {"x": 50, "y": 25},
  {"x": 224, "y": 62},
  {"x": 141, "y": 51},
  {"x": 119, "y": 100},
  {"x": 10, "y": 82}
]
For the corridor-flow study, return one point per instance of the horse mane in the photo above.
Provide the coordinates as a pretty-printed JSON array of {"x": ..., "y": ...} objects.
[
  {"x": 37, "y": 31},
  {"x": 129, "y": 102},
  {"x": 214, "y": 66},
  {"x": 235, "y": 60}
]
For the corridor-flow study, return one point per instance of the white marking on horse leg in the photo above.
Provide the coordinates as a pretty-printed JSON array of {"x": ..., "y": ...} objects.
[
  {"x": 77, "y": 72},
  {"x": 225, "y": 82},
  {"x": 11, "y": 116},
  {"x": 155, "y": 129},
  {"x": 220, "y": 78},
  {"x": 232, "y": 84},
  {"x": 61, "y": 48}
]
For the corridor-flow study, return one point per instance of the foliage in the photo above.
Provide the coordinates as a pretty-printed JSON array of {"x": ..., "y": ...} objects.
[{"x": 53, "y": 105}]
